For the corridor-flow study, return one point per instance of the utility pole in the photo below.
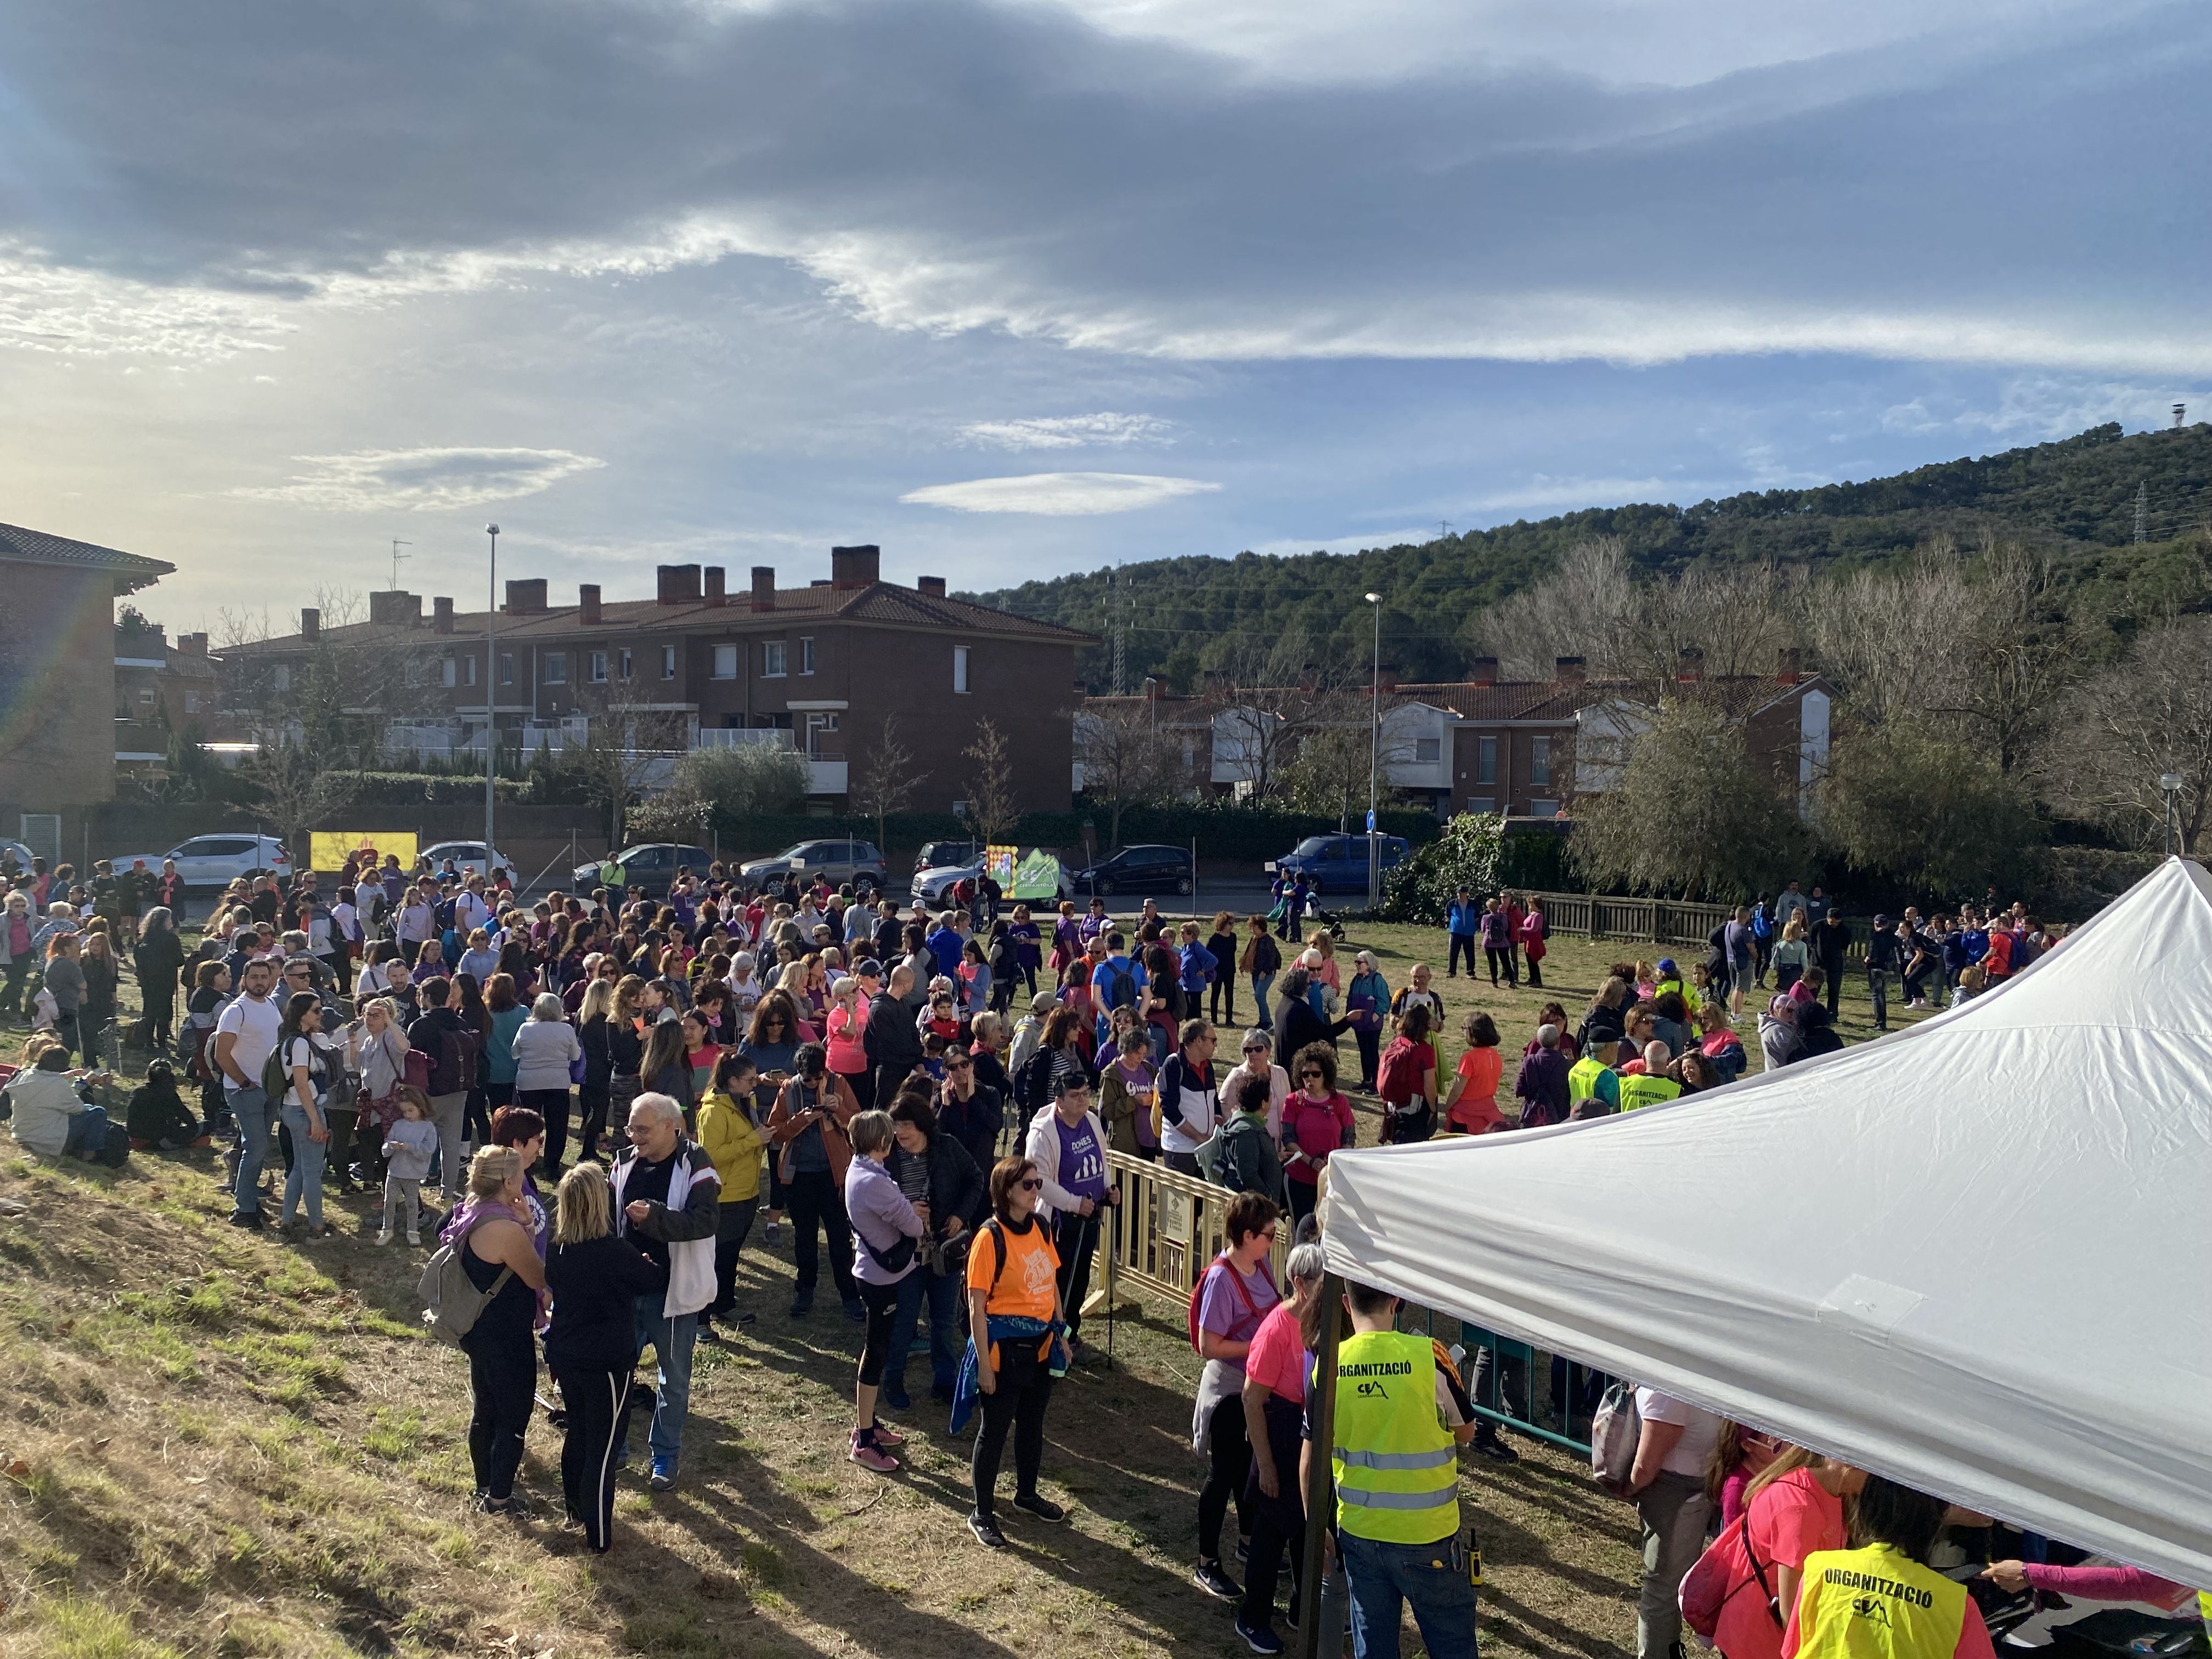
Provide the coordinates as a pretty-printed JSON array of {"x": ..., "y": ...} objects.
[
  {"x": 1114, "y": 605},
  {"x": 2143, "y": 512},
  {"x": 491, "y": 698},
  {"x": 1374, "y": 744},
  {"x": 1444, "y": 530},
  {"x": 2180, "y": 415},
  {"x": 397, "y": 556}
]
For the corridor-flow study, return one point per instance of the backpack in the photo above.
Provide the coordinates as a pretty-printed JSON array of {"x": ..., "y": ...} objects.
[
  {"x": 1197, "y": 1294},
  {"x": 1717, "y": 1576},
  {"x": 451, "y": 1301},
  {"x": 1121, "y": 985},
  {"x": 1398, "y": 1080},
  {"x": 1614, "y": 1431},
  {"x": 457, "y": 1052},
  {"x": 415, "y": 1070},
  {"x": 276, "y": 1076},
  {"x": 1213, "y": 1159}
]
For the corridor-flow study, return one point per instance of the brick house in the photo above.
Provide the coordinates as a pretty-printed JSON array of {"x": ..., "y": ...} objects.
[
  {"x": 825, "y": 666},
  {"x": 57, "y": 671},
  {"x": 161, "y": 687}
]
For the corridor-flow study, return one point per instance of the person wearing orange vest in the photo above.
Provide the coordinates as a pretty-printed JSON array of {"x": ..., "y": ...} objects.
[{"x": 1880, "y": 1600}]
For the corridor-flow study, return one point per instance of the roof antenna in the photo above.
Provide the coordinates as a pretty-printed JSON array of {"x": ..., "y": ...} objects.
[{"x": 397, "y": 556}]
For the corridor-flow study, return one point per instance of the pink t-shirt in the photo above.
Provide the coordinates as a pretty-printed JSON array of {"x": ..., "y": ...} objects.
[
  {"x": 1278, "y": 1354},
  {"x": 1790, "y": 1518},
  {"x": 846, "y": 1055}
]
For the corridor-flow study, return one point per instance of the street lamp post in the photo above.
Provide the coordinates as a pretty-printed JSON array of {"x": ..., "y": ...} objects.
[
  {"x": 491, "y": 700},
  {"x": 1153, "y": 702},
  {"x": 1374, "y": 749},
  {"x": 2169, "y": 784}
]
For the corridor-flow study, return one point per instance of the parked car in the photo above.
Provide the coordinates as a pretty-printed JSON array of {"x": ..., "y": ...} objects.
[
  {"x": 217, "y": 861},
  {"x": 1133, "y": 870},
  {"x": 934, "y": 886},
  {"x": 468, "y": 857},
  {"x": 649, "y": 870},
  {"x": 935, "y": 854},
  {"x": 837, "y": 861},
  {"x": 1338, "y": 864}
]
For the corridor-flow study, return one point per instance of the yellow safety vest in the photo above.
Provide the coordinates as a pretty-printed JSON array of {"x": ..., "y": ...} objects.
[
  {"x": 1582, "y": 1078},
  {"x": 1877, "y": 1603},
  {"x": 1638, "y": 1090},
  {"x": 1396, "y": 1465},
  {"x": 1690, "y": 998}
]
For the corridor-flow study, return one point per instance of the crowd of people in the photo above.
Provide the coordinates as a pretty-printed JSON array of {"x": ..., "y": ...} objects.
[{"x": 589, "y": 1099}]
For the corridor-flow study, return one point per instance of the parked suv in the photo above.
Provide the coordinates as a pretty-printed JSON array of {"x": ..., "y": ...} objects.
[
  {"x": 935, "y": 854},
  {"x": 217, "y": 861},
  {"x": 933, "y": 886},
  {"x": 1133, "y": 869},
  {"x": 468, "y": 857},
  {"x": 836, "y": 861},
  {"x": 649, "y": 870},
  {"x": 1338, "y": 864}
]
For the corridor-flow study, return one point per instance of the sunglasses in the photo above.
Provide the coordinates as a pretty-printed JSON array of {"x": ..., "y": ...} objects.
[
  {"x": 951, "y": 1064},
  {"x": 1311, "y": 1077},
  {"x": 1031, "y": 1185}
]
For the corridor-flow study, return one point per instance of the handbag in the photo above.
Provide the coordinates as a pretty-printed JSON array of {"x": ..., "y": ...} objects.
[{"x": 1712, "y": 1580}]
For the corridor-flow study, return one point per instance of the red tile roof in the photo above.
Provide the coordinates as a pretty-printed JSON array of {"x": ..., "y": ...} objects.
[{"x": 132, "y": 571}]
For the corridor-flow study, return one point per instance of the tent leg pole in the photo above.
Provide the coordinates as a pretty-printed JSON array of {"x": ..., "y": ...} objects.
[{"x": 1320, "y": 1499}]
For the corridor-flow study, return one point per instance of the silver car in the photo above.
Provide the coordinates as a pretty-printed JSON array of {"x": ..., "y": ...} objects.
[
  {"x": 217, "y": 861},
  {"x": 835, "y": 861}
]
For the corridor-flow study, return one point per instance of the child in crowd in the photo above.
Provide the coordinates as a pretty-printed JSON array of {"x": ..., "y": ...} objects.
[{"x": 408, "y": 1146}]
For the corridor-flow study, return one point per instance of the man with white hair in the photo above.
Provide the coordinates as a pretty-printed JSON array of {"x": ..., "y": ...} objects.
[{"x": 668, "y": 1199}]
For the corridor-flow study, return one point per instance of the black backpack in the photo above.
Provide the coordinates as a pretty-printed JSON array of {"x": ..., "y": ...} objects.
[{"x": 1121, "y": 985}]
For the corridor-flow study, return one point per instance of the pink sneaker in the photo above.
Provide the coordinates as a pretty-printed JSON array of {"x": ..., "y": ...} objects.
[
  {"x": 889, "y": 1437},
  {"x": 869, "y": 1456}
]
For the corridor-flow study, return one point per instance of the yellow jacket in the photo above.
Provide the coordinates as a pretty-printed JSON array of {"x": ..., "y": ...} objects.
[{"x": 727, "y": 1131}]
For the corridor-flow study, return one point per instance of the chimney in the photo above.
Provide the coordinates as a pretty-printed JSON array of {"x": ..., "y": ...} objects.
[
  {"x": 587, "y": 605},
  {"x": 1788, "y": 665},
  {"x": 1485, "y": 671},
  {"x": 932, "y": 586},
  {"x": 715, "y": 576},
  {"x": 1691, "y": 665},
  {"x": 854, "y": 568},
  {"x": 525, "y": 596},
  {"x": 763, "y": 588},
  {"x": 193, "y": 645},
  {"x": 396, "y": 608},
  {"x": 441, "y": 615},
  {"x": 311, "y": 624},
  {"x": 678, "y": 584},
  {"x": 1568, "y": 671}
]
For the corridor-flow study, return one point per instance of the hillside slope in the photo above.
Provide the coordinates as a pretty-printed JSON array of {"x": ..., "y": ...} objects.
[{"x": 2076, "y": 497}]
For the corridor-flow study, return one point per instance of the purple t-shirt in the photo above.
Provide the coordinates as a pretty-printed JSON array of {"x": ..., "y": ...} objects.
[
  {"x": 1229, "y": 1313},
  {"x": 1082, "y": 1161}
]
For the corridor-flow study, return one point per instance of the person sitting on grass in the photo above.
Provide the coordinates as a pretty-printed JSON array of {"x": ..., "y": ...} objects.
[
  {"x": 50, "y": 1117},
  {"x": 157, "y": 1116}
]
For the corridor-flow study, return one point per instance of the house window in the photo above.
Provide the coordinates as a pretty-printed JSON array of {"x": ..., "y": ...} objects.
[
  {"x": 146, "y": 699},
  {"x": 668, "y": 662},
  {"x": 1427, "y": 751},
  {"x": 625, "y": 658},
  {"x": 1539, "y": 765},
  {"x": 1543, "y": 809},
  {"x": 726, "y": 662},
  {"x": 959, "y": 668},
  {"x": 598, "y": 668},
  {"x": 773, "y": 656},
  {"x": 283, "y": 679},
  {"x": 449, "y": 673},
  {"x": 556, "y": 668},
  {"x": 506, "y": 668},
  {"x": 805, "y": 656},
  {"x": 470, "y": 676},
  {"x": 191, "y": 702},
  {"x": 1486, "y": 760}
]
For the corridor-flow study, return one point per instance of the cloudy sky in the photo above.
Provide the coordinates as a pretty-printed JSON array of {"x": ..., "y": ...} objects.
[{"x": 1019, "y": 288}]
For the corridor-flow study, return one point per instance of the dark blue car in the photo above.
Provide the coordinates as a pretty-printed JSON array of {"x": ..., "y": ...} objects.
[{"x": 1338, "y": 864}]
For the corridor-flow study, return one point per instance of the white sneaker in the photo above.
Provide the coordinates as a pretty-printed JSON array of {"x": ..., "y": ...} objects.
[
  {"x": 385, "y": 1237},
  {"x": 414, "y": 1237}
]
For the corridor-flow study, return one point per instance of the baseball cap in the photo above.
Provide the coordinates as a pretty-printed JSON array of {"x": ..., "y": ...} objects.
[
  {"x": 1667, "y": 964},
  {"x": 869, "y": 968},
  {"x": 1043, "y": 1003}
]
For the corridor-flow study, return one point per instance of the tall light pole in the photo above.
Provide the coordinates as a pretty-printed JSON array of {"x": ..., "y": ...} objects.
[
  {"x": 2169, "y": 784},
  {"x": 1153, "y": 702},
  {"x": 491, "y": 701},
  {"x": 1374, "y": 749}
]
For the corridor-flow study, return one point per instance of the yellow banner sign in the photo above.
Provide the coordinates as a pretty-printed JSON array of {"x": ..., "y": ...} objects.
[{"x": 329, "y": 849}]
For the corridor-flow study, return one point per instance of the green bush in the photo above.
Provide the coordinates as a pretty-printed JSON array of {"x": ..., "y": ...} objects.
[
  {"x": 1466, "y": 854},
  {"x": 426, "y": 788}
]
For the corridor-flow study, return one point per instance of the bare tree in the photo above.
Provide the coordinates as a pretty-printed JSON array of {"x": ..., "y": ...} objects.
[
  {"x": 620, "y": 753},
  {"x": 2122, "y": 729},
  {"x": 993, "y": 808},
  {"x": 1271, "y": 698},
  {"x": 295, "y": 784},
  {"x": 1586, "y": 608},
  {"x": 885, "y": 779},
  {"x": 1125, "y": 761}
]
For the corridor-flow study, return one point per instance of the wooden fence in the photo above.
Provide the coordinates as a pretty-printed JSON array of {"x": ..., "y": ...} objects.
[
  {"x": 1167, "y": 1230},
  {"x": 1654, "y": 921}
]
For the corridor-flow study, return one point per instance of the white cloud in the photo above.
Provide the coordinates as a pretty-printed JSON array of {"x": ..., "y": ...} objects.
[
  {"x": 64, "y": 311},
  {"x": 420, "y": 480},
  {"x": 1058, "y": 494},
  {"x": 1102, "y": 430}
]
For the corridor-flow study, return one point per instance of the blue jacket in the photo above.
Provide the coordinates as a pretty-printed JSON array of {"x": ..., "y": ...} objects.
[
  {"x": 1464, "y": 917},
  {"x": 944, "y": 945},
  {"x": 1199, "y": 966}
]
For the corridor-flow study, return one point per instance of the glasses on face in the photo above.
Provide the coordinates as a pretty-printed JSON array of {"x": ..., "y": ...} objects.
[
  {"x": 952, "y": 1065},
  {"x": 1269, "y": 1234},
  {"x": 1031, "y": 1185},
  {"x": 1311, "y": 1076}
]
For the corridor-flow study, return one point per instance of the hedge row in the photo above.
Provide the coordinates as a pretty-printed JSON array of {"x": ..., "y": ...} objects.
[{"x": 1225, "y": 832}]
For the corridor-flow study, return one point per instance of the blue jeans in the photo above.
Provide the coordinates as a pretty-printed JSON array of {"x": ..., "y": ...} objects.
[
  {"x": 250, "y": 1109},
  {"x": 306, "y": 1172},
  {"x": 1260, "y": 985},
  {"x": 87, "y": 1133},
  {"x": 671, "y": 1341},
  {"x": 1384, "y": 1578},
  {"x": 943, "y": 1292}
]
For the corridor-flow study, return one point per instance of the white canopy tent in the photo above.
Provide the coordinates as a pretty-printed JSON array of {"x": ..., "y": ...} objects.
[{"x": 1975, "y": 1256}]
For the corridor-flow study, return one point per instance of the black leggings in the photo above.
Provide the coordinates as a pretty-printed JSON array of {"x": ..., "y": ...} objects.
[
  {"x": 592, "y": 1124},
  {"x": 1222, "y": 998},
  {"x": 1499, "y": 958},
  {"x": 1024, "y": 1388},
  {"x": 732, "y": 1226},
  {"x": 552, "y": 1105},
  {"x": 815, "y": 1201},
  {"x": 882, "y": 1302},
  {"x": 503, "y": 1371},
  {"x": 1231, "y": 1460},
  {"x": 598, "y": 1403}
]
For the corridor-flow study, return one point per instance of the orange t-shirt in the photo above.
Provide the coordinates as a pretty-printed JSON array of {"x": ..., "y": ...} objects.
[
  {"x": 1476, "y": 1109},
  {"x": 1025, "y": 1284}
]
